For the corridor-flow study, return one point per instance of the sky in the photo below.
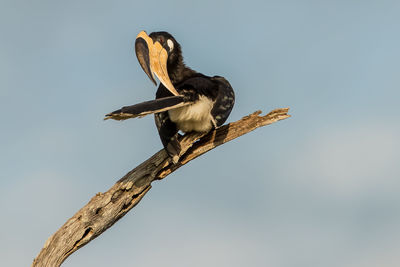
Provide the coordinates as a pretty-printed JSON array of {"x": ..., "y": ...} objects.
[{"x": 318, "y": 189}]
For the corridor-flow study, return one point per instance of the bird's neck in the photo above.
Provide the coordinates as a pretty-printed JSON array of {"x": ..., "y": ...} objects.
[{"x": 179, "y": 73}]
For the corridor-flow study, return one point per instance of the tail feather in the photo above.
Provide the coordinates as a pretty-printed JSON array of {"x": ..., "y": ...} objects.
[{"x": 148, "y": 107}]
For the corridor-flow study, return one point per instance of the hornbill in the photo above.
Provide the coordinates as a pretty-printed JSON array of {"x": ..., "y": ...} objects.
[{"x": 186, "y": 100}]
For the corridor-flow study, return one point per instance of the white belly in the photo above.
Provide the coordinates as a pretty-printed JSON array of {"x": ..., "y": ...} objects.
[{"x": 196, "y": 117}]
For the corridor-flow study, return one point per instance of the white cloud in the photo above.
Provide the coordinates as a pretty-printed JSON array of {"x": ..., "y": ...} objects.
[
  {"x": 351, "y": 160},
  {"x": 387, "y": 256}
]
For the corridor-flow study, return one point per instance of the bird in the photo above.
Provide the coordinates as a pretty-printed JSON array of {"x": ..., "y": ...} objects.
[{"x": 186, "y": 100}]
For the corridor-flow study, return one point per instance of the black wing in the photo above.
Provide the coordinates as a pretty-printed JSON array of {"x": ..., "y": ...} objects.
[
  {"x": 148, "y": 107},
  {"x": 224, "y": 101}
]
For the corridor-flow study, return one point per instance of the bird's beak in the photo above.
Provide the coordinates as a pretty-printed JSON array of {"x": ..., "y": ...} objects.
[{"x": 153, "y": 58}]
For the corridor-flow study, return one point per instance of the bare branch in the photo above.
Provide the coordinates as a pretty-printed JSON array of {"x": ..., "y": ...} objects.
[{"x": 104, "y": 209}]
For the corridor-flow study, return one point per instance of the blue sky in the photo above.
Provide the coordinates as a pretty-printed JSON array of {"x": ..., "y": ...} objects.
[{"x": 318, "y": 189}]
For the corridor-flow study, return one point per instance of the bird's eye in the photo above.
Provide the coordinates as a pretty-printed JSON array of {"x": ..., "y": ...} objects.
[{"x": 170, "y": 45}]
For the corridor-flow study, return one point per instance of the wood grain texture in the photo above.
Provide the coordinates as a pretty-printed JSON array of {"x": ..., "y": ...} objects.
[{"x": 104, "y": 209}]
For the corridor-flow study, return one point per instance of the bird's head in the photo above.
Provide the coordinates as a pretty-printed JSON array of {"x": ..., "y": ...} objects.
[{"x": 157, "y": 53}]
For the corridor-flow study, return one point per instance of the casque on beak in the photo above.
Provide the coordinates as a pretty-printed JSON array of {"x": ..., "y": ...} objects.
[{"x": 153, "y": 58}]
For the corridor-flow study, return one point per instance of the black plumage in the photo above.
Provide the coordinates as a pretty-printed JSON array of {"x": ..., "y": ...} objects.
[{"x": 185, "y": 100}]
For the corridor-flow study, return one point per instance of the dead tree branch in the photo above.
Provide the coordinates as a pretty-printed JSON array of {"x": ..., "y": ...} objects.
[{"x": 104, "y": 209}]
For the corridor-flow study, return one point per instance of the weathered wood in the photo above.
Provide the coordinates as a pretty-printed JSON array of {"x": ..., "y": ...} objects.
[{"x": 104, "y": 209}]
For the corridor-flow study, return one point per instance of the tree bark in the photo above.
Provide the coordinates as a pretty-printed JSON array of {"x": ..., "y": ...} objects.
[{"x": 104, "y": 209}]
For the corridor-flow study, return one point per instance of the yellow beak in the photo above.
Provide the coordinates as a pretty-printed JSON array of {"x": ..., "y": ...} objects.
[{"x": 153, "y": 58}]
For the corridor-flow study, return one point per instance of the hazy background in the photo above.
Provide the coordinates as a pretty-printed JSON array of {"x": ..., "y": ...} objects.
[{"x": 319, "y": 189}]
